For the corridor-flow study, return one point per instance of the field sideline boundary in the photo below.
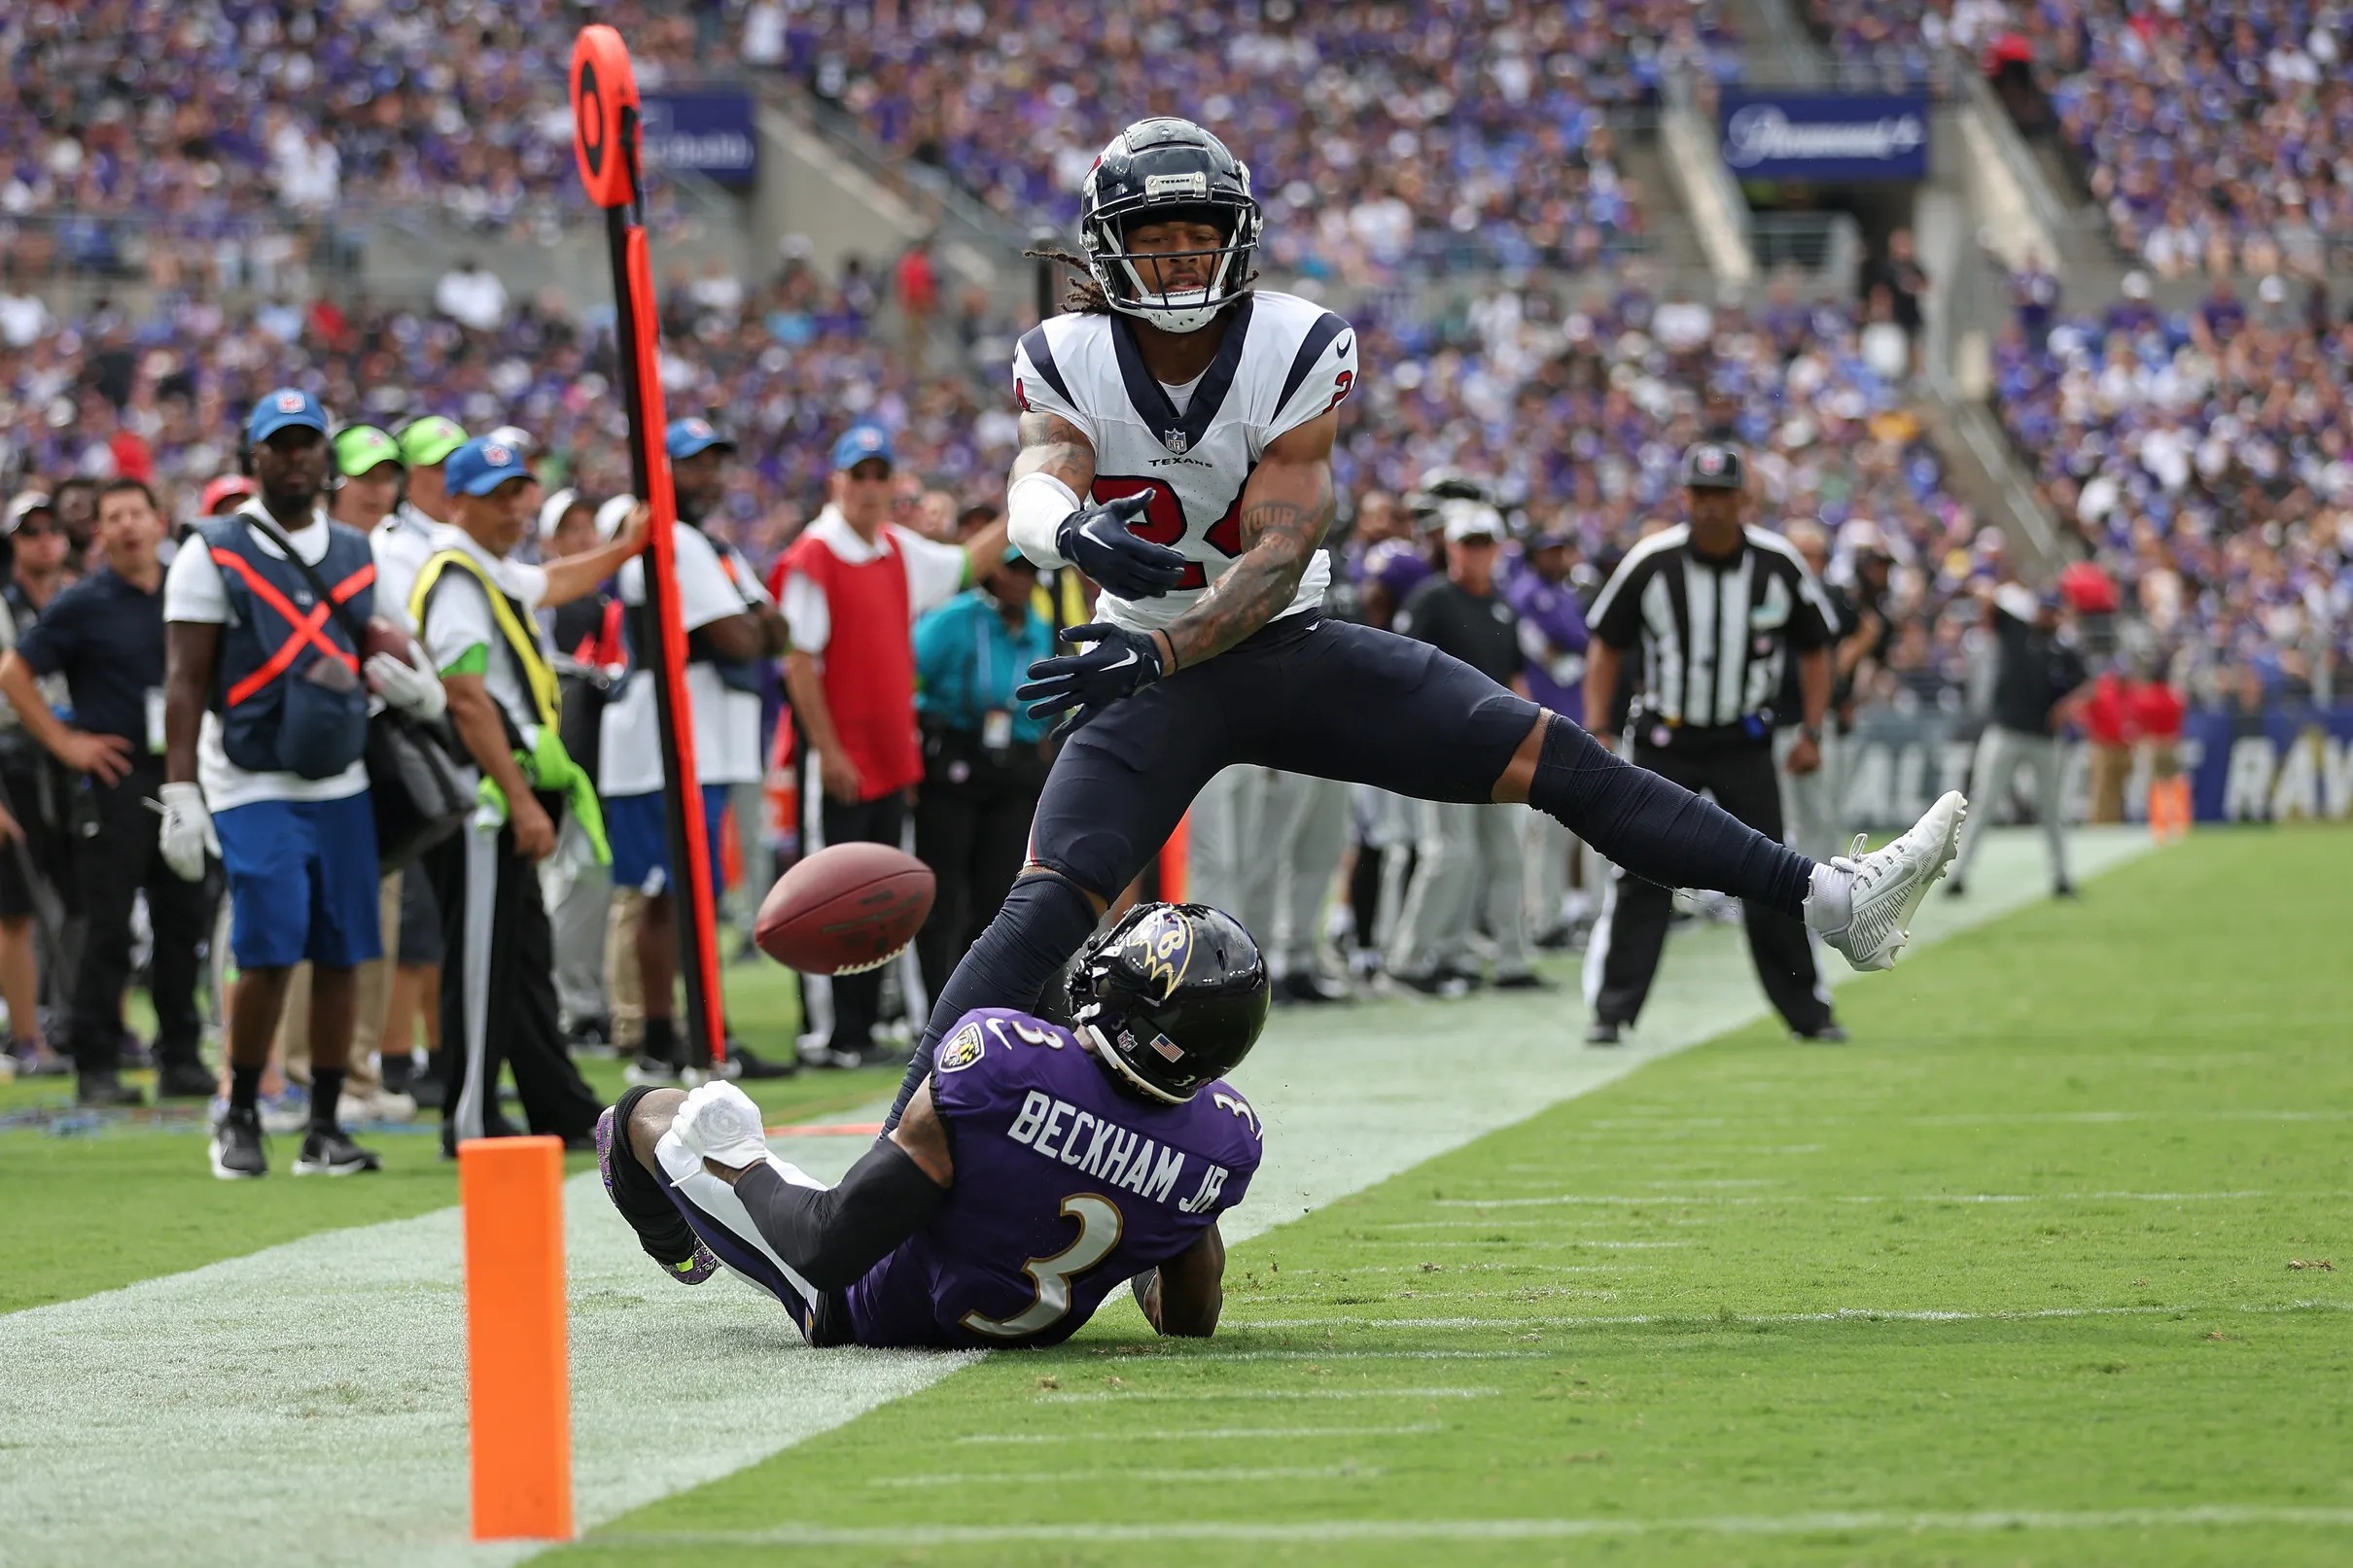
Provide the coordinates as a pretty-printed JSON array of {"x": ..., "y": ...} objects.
[{"x": 324, "y": 1380}]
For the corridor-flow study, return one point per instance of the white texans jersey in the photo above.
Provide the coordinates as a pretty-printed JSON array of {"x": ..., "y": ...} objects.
[{"x": 1283, "y": 361}]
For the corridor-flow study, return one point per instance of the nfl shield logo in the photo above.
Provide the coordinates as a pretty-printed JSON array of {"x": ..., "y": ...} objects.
[
  {"x": 290, "y": 402},
  {"x": 1176, "y": 441}
]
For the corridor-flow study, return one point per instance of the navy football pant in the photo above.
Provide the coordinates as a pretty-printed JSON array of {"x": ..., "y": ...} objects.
[{"x": 1336, "y": 701}]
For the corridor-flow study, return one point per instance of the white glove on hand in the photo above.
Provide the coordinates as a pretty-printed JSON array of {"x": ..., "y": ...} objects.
[
  {"x": 412, "y": 688},
  {"x": 720, "y": 1122},
  {"x": 188, "y": 835}
]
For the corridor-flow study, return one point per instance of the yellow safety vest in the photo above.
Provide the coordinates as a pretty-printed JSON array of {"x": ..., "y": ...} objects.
[{"x": 539, "y": 675}]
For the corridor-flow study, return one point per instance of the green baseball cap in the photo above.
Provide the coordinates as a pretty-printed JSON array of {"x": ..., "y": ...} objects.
[
  {"x": 362, "y": 448},
  {"x": 426, "y": 441}
]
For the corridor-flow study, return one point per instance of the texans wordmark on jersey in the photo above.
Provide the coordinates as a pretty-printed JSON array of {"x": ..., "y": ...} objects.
[{"x": 1284, "y": 361}]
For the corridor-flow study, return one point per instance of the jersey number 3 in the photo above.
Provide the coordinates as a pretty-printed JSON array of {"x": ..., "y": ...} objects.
[
  {"x": 1100, "y": 1223},
  {"x": 1164, "y": 520}
]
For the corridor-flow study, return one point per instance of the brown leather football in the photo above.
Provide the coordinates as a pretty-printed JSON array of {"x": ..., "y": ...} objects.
[{"x": 846, "y": 908}]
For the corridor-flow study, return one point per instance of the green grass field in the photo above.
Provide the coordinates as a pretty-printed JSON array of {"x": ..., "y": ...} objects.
[
  {"x": 2041, "y": 1277},
  {"x": 131, "y": 1173}
]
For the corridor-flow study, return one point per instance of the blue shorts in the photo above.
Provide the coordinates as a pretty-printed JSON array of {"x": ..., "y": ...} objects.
[
  {"x": 640, "y": 836},
  {"x": 302, "y": 882}
]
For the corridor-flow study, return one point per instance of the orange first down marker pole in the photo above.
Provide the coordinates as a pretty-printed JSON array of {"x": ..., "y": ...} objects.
[{"x": 519, "y": 1381}]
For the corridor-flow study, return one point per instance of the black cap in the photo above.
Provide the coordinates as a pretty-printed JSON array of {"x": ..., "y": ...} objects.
[{"x": 1713, "y": 466}]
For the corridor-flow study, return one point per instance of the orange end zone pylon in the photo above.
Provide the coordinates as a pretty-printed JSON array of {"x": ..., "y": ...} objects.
[{"x": 519, "y": 1380}]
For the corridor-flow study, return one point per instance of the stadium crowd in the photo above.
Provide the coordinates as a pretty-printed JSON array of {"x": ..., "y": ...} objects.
[
  {"x": 2217, "y": 138},
  {"x": 1389, "y": 142},
  {"x": 2205, "y": 458}
]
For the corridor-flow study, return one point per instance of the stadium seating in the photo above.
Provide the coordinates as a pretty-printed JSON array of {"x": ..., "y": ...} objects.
[
  {"x": 2207, "y": 459},
  {"x": 1384, "y": 139},
  {"x": 2215, "y": 136},
  {"x": 272, "y": 114}
]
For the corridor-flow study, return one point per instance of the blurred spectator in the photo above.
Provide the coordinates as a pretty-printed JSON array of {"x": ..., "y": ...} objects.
[
  {"x": 730, "y": 627},
  {"x": 471, "y": 293},
  {"x": 1899, "y": 273},
  {"x": 592, "y": 657},
  {"x": 984, "y": 757},
  {"x": 2037, "y": 681},
  {"x": 33, "y": 862},
  {"x": 1467, "y": 869},
  {"x": 1553, "y": 639},
  {"x": 854, "y": 584},
  {"x": 2107, "y": 714},
  {"x": 104, "y": 638}
]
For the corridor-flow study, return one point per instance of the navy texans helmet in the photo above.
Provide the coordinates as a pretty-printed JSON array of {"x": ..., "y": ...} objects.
[
  {"x": 1167, "y": 170},
  {"x": 1175, "y": 994}
]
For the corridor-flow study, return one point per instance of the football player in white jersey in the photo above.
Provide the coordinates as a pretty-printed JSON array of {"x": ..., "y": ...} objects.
[{"x": 1176, "y": 433}]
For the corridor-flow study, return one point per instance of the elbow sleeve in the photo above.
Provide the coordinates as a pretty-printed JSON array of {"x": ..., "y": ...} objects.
[{"x": 833, "y": 1236}]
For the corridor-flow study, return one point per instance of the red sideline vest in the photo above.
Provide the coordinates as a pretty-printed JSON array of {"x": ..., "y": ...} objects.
[{"x": 869, "y": 661}]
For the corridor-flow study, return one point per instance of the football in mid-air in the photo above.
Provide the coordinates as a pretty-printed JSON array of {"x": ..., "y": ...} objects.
[{"x": 845, "y": 909}]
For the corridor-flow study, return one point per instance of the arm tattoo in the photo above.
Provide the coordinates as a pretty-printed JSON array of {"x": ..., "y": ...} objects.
[
  {"x": 1055, "y": 446},
  {"x": 1279, "y": 536}
]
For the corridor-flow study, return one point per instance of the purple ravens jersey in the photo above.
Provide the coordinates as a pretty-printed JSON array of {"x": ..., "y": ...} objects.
[{"x": 1066, "y": 1186}]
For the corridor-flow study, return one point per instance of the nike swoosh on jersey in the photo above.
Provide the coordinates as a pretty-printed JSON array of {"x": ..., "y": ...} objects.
[{"x": 1341, "y": 351}]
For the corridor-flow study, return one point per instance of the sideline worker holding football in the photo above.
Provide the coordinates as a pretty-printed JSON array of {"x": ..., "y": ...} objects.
[
  {"x": 1176, "y": 446},
  {"x": 1717, "y": 609},
  {"x": 1037, "y": 1167}
]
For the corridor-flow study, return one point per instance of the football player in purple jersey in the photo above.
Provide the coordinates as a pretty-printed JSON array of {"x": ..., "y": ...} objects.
[{"x": 1036, "y": 1167}]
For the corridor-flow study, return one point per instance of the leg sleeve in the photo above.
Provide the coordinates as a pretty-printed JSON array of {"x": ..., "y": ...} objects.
[
  {"x": 1657, "y": 829},
  {"x": 725, "y": 1226}
]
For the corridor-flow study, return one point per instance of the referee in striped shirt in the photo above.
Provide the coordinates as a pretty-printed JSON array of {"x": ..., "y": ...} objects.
[{"x": 1715, "y": 611}]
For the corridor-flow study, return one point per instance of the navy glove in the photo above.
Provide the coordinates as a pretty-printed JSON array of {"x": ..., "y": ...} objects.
[
  {"x": 1111, "y": 662},
  {"x": 1097, "y": 540}
]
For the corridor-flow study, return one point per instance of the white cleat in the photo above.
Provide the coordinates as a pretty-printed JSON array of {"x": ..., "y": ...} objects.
[
  {"x": 719, "y": 1122},
  {"x": 1881, "y": 892}
]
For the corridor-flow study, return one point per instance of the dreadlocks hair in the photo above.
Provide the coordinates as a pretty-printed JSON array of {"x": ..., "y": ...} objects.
[{"x": 1085, "y": 296}]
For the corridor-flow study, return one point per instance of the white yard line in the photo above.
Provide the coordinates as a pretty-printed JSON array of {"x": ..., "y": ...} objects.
[
  {"x": 1750, "y": 1199},
  {"x": 2220, "y": 1516},
  {"x": 1215, "y": 1434},
  {"x": 1215, "y": 1476},
  {"x": 322, "y": 1381},
  {"x": 1186, "y": 1395},
  {"x": 1841, "y": 1315}
]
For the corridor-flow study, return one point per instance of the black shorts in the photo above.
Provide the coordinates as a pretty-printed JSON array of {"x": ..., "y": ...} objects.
[
  {"x": 45, "y": 850},
  {"x": 1305, "y": 695},
  {"x": 421, "y": 942}
]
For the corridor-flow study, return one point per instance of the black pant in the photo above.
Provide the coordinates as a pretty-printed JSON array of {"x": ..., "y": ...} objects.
[
  {"x": 1324, "y": 698},
  {"x": 858, "y": 998},
  {"x": 972, "y": 829},
  {"x": 1633, "y": 920},
  {"x": 114, "y": 864},
  {"x": 498, "y": 991}
]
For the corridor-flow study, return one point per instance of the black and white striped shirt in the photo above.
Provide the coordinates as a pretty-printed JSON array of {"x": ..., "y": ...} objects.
[{"x": 1715, "y": 631}]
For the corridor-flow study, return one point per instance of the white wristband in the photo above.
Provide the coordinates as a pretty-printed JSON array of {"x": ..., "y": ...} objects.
[{"x": 1035, "y": 507}]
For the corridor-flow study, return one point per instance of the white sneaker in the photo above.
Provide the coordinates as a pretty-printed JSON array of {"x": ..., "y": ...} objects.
[
  {"x": 1863, "y": 906},
  {"x": 374, "y": 1106}
]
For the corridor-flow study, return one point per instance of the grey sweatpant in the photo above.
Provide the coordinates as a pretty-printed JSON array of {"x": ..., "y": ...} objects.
[
  {"x": 2000, "y": 754},
  {"x": 1468, "y": 869},
  {"x": 1264, "y": 846}
]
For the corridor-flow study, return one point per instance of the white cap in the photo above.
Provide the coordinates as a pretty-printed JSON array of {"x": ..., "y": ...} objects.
[
  {"x": 611, "y": 515},
  {"x": 1469, "y": 519},
  {"x": 552, "y": 509},
  {"x": 2137, "y": 285}
]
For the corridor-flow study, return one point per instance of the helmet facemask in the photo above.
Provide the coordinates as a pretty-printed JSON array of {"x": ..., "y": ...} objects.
[{"x": 1137, "y": 282}]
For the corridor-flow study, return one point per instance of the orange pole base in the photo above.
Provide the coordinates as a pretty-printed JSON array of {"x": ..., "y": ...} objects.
[{"x": 519, "y": 1383}]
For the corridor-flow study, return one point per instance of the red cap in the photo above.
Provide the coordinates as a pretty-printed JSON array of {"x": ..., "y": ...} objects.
[{"x": 228, "y": 487}]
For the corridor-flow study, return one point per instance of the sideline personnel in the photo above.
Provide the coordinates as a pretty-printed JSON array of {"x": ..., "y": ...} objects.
[
  {"x": 265, "y": 723},
  {"x": 105, "y": 636},
  {"x": 478, "y": 613},
  {"x": 1716, "y": 609}
]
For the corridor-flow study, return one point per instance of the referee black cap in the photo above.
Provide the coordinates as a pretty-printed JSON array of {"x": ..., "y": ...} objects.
[{"x": 1713, "y": 466}]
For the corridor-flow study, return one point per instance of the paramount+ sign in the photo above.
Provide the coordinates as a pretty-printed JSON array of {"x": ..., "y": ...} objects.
[{"x": 1824, "y": 136}]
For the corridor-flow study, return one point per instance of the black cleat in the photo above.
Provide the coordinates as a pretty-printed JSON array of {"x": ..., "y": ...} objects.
[
  {"x": 236, "y": 1146},
  {"x": 331, "y": 1153},
  {"x": 103, "y": 1091},
  {"x": 1444, "y": 983},
  {"x": 2064, "y": 889},
  {"x": 1528, "y": 980},
  {"x": 1827, "y": 1034},
  {"x": 183, "y": 1080},
  {"x": 1954, "y": 888},
  {"x": 750, "y": 1063},
  {"x": 1602, "y": 1032},
  {"x": 1312, "y": 990}
]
